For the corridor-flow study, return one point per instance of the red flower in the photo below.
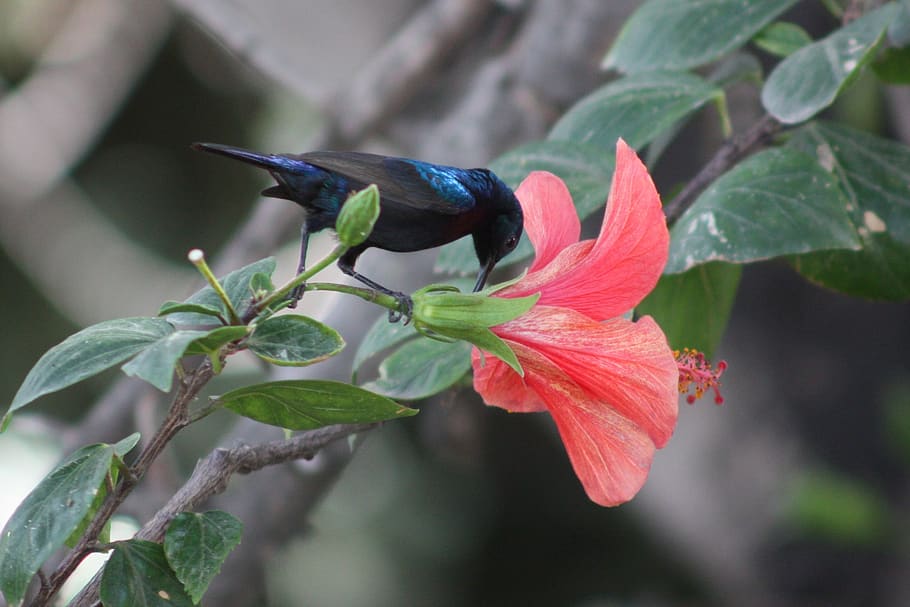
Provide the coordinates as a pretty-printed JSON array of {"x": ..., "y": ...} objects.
[{"x": 609, "y": 383}]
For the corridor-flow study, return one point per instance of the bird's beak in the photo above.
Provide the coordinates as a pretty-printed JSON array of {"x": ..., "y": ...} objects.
[{"x": 484, "y": 272}]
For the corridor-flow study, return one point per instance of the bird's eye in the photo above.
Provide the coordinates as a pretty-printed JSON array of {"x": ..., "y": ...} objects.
[{"x": 511, "y": 242}]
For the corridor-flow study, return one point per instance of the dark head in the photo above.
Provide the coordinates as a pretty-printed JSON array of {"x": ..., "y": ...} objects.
[{"x": 501, "y": 234}]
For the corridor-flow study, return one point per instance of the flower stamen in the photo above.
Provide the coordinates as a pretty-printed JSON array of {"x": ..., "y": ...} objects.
[{"x": 697, "y": 374}]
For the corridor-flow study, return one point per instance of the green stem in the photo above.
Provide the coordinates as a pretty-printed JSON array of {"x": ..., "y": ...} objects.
[
  {"x": 386, "y": 301},
  {"x": 197, "y": 258},
  {"x": 283, "y": 292}
]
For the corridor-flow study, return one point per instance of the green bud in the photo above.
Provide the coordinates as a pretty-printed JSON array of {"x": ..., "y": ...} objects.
[
  {"x": 443, "y": 311},
  {"x": 358, "y": 216},
  {"x": 440, "y": 307}
]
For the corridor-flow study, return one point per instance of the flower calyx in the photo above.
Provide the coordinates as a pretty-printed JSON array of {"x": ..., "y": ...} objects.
[{"x": 445, "y": 313}]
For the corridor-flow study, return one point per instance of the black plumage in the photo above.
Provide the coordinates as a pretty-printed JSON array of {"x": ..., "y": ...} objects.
[{"x": 422, "y": 205}]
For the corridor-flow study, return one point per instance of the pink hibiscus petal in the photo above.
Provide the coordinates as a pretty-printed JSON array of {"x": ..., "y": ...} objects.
[
  {"x": 627, "y": 365},
  {"x": 625, "y": 261},
  {"x": 550, "y": 219},
  {"x": 502, "y": 387},
  {"x": 610, "y": 455},
  {"x": 539, "y": 281}
]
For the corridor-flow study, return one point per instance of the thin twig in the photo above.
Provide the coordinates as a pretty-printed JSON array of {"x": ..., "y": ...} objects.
[
  {"x": 175, "y": 420},
  {"x": 729, "y": 154},
  {"x": 213, "y": 474}
]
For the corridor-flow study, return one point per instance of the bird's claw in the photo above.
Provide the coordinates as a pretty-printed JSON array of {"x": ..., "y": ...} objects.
[
  {"x": 296, "y": 296},
  {"x": 405, "y": 309}
]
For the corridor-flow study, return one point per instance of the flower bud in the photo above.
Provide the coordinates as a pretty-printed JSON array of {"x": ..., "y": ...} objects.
[
  {"x": 358, "y": 216},
  {"x": 441, "y": 310},
  {"x": 442, "y": 307}
]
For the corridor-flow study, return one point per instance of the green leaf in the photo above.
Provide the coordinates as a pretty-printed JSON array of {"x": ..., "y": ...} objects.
[
  {"x": 488, "y": 341},
  {"x": 381, "y": 336},
  {"x": 197, "y": 544},
  {"x": 637, "y": 108},
  {"x": 306, "y": 404},
  {"x": 738, "y": 67},
  {"x": 733, "y": 69},
  {"x": 93, "y": 509},
  {"x": 124, "y": 446},
  {"x": 810, "y": 79},
  {"x": 587, "y": 170},
  {"x": 121, "y": 448},
  {"x": 873, "y": 173},
  {"x": 261, "y": 285},
  {"x": 48, "y": 515},
  {"x": 422, "y": 368},
  {"x": 680, "y": 34},
  {"x": 212, "y": 341},
  {"x": 156, "y": 363},
  {"x": 138, "y": 575},
  {"x": 782, "y": 38},
  {"x": 294, "y": 340},
  {"x": 899, "y": 29},
  {"x": 894, "y": 66},
  {"x": 173, "y": 307},
  {"x": 777, "y": 202},
  {"x": 237, "y": 286},
  {"x": 87, "y": 353},
  {"x": 693, "y": 308},
  {"x": 881, "y": 271}
]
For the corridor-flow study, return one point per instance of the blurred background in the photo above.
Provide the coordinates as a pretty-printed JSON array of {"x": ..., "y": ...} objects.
[{"x": 794, "y": 492}]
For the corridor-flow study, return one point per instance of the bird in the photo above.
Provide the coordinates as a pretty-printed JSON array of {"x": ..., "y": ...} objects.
[{"x": 422, "y": 205}]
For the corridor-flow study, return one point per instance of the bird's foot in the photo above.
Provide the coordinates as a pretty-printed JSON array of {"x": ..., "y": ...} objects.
[
  {"x": 296, "y": 295},
  {"x": 405, "y": 308}
]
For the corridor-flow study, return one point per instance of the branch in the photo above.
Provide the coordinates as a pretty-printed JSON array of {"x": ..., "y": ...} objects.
[
  {"x": 175, "y": 420},
  {"x": 729, "y": 154},
  {"x": 213, "y": 474}
]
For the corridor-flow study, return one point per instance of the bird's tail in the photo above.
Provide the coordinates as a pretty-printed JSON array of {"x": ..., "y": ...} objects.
[
  {"x": 297, "y": 180},
  {"x": 271, "y": 162}
]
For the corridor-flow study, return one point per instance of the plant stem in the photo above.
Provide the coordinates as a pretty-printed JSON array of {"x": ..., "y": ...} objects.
[
  {"x": 197, "y": 258},
  {"x": 213, "y": 474},
  {"x": 301, "y": 278},
  {"x": 386, "y": 301},
  {"x": 175, "y": 420},
  {"x": 728, "y": 155}
]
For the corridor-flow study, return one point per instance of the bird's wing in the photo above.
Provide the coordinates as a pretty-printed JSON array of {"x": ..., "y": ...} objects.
[{"x": 409, "y": 184}]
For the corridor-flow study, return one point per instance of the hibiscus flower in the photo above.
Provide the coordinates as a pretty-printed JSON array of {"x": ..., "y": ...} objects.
[{"x": 610, "y": 384}]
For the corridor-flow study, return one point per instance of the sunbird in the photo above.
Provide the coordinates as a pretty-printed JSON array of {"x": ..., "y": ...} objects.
[{"x": 422, "y": 205}]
